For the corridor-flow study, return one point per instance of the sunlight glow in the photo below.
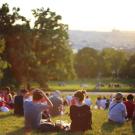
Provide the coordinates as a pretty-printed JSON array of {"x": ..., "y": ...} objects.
[{"x": 98, "y": 15}]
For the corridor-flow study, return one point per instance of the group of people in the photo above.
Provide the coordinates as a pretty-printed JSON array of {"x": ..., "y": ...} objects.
[
  {"x": 6, "y": 99},
  {"x": 122, "y": 109},
  {"x": 38, "y": 107}
]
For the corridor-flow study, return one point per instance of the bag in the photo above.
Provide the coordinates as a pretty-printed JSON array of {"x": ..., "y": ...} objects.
[
  {"x": 50, "y": 127},
  {"x": 64, "y": 126},
  {"x": 113, "y": 106}
]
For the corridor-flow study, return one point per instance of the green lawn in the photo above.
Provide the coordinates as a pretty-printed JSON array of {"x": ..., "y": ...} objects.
[
  {"x": 12, "y": 125},
  {"x": 91, "y": 85}
]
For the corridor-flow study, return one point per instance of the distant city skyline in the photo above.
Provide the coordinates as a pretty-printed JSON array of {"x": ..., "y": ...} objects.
[{"x": 86, "y": 15}]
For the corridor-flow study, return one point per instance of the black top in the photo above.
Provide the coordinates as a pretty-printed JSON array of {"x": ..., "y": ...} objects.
[
  {"x": 81, "y": 118},
  {"x": 18, "y": 105}
]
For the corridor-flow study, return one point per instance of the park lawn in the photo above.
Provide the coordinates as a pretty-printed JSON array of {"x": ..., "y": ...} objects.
[
  {"x": 72, "y": 85},
  {"x": 91, "y": 86},
  {"x": 12, "y": 125}
]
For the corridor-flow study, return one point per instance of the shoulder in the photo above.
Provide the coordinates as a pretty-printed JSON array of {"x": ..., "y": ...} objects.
[
  {"x": 85, "y": 107},
  {"x": 18, "y": 98},
  {"x": 73, "y": 106},
  {"x": 122, "y": 104},
  {"x": 28, "y": 102}
]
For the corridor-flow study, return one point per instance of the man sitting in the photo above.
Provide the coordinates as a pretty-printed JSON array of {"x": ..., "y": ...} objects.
[
  {"x": 117, "y": 109},
  {"x": 57, "y": 104},
  {"x": 33, "y": 112}
]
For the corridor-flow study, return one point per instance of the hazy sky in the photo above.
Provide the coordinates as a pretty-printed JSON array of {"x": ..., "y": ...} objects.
[{"x": 99, "y": 15}]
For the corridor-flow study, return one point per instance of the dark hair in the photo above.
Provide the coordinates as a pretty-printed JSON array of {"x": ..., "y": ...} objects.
[
  {"x": 80, "y": 95},
  {"x": 47, "y": 94},
  {"x": 37, "y": 94},
  {"x": 84, "y": 92},
  {"x": 7, "y": 89},
  {"x": 130, "y": 97},
  {"x": 99, "y": 98},
  {"x": 124, "y": 99},
  {"x": 23, "y": 91}
]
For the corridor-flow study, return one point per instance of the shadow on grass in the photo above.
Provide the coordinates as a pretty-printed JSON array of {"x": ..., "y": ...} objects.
[
  {"x": 109, "y": 126},
  {"x": 4, "y": 115},
  {"x": 20, "y": 131},
  {"x": 133, "y": 128}
]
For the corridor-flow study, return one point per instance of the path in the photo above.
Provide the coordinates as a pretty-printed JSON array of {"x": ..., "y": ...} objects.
[{"x": 98, "y": 93}]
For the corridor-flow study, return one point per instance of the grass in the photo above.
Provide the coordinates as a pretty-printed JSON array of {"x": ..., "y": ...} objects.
[
  {"x": 71, "y": 85},
  {"x": 12, "y": 125},
  {"x": 91, "y": 85}
]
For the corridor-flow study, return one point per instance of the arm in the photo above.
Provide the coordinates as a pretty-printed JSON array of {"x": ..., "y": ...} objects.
[
  {"x": 124, "y": 111},
  {"x": 50, "y": 105},
  {"x": 72, "y": 114}
]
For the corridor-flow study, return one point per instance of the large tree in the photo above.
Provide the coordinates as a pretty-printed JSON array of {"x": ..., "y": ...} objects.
[
  {"x": 36, "y": 54},
  {"x": 3, "y": 63},
  {"x": 128, "y": 70},
  {"x": 113, "y": 61},
  {"x": 86, "y": 63},
  {"x": 52, "y": 45}
]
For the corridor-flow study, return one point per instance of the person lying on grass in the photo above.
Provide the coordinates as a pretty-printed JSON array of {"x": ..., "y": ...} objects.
[
  {"x": 117, "y": 109},
  {"x": 80, "y": 114}
]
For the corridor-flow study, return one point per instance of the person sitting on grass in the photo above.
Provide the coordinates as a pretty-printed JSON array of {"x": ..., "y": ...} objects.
[
  {"x": 117, "y": 109},
  {"x": 80, "y": 114},
  {"x": 98, "y": 103},
  {"x": 88, "y": 101},
  {"x": 133, "y": 118},
  {"x": 8, "y": 97},
  {"x": 19, "y": 101},
  {"x": 33, "y": 112},
  {"x": 57, "y": 102},
  {"x": 3, "y": 107},
  {"x": 130, "y": 106}
]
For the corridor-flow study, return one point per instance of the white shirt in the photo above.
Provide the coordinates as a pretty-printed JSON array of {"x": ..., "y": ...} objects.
[
  {"x": 103, "y": 103},
  {"x": 4, "y": 109},
  {"x": 88, "y": 102}
]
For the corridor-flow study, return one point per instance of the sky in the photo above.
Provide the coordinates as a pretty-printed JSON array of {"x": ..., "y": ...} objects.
[{"x": 87, "y": 15}]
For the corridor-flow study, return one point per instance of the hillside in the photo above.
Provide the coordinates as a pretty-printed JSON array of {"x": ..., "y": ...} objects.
[{"x": 99, "y": 40}]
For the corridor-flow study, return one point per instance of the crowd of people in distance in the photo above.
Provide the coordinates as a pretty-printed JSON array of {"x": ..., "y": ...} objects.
[{"x": 38, "y": 108}]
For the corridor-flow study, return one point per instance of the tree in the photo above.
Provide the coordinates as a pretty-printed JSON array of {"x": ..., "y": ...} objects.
[
  {"x": 8, "y": 20},
  {"x": 86, "y": 63},
  {"x": 53, "y": 45},
  {"x": 36, "y": 54},
  {"x": 3, "y": 63},
  {"x": 9, "y": 31},
  {"x": 129, "y": 69},
  {"x": 113, "y": 60}
]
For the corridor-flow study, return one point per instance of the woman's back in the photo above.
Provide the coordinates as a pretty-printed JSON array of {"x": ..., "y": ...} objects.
[{"x": 81, "y": 118}]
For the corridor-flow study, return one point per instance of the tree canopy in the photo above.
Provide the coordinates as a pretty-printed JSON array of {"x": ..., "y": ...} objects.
[{"x": 36, "y": 54}]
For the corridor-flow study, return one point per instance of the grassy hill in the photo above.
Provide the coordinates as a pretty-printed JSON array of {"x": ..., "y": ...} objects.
[{"x": 12, "y": 125}]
